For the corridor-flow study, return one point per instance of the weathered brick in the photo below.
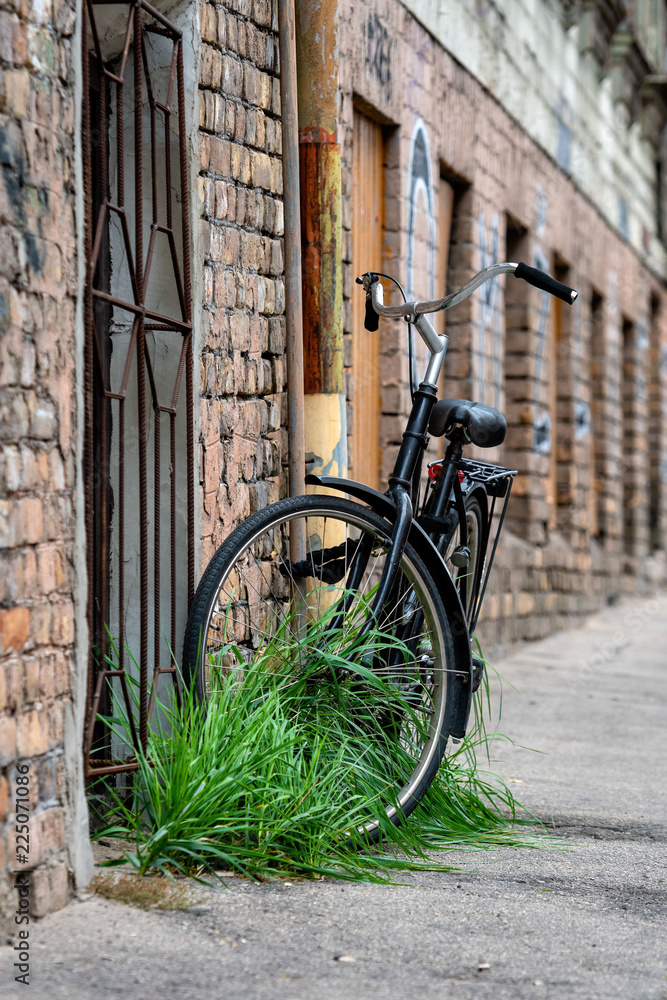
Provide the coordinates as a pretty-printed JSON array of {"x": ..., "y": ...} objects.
[
  {"x": 251, "y": 246},
  {"x": 230, "y": 242},
  {"x": 52, "y": 830},
  {"x": 31, "y": 687},
  {"x": 7, "y": 740},
  {"x": 32, "y": 733},
  {"x": 240, "y": 163},
  {"x": 17, "y": 92},
  {"x": 43, "y": 420},
  {"x": 220, "y": 151},
  {"x": 231, "y": 82},
  {"x": 261, "y": 12},
  {"x": 40, "y": 893},
  {"x": 14, "y": 628},
  {"x": 209, "y": 23},
  {"x": 272, "y": 97},
  {"x": 276, "y": 176},
  {"x": 232, "y": 32},
  {"x": 59, "y": 887},
  {"x": 4, "y": 799},
  {"x": 260, "y": 166},
  {"x": 211, "y": 67}
]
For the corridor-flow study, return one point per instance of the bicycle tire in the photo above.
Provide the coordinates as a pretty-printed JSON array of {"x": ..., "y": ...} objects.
[
  {"x": 258, "y": 549},
  {"x": 469, "y": 579}
]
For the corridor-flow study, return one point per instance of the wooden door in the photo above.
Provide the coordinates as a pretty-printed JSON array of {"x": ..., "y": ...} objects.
[{"x": 367, "y": 255}]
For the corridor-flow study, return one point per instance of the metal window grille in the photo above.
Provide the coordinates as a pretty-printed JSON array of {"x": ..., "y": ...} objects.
[{"x": 137, "y": 321}]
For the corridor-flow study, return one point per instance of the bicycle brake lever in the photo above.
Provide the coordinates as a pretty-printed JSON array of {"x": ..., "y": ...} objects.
[{"x": 371, "y": 318}]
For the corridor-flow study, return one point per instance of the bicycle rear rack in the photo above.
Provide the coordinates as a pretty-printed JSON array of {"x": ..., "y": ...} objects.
[
  {"x": 498, "y": 484},
  {"x": 495, "y": 478}
]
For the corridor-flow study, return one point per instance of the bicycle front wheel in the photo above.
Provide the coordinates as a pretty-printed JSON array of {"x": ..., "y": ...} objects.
[{"x": 287, "y": 601}]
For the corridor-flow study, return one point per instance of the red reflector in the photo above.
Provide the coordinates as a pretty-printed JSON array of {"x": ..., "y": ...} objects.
[{"x": 435, "y": 470}]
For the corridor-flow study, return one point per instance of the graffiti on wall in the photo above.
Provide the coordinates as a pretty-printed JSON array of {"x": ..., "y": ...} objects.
[
  {"x": 663, "y": 362},
  {"x": 582, "y": 419},
  {"x": 542, "y": 210},
  {"x": 420, "y": 198},
  {"x": 488, "y": 319},
  {"x": 377, "y": 53},
  {"x": 582, "y": 409},
  {"x": 642, "y": 345},
  {"x": 18, "y": 191}
]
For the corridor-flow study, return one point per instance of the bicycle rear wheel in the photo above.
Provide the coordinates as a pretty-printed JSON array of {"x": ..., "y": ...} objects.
[
  {"x": 469, "y": 577},
  {"x": 302, "y": 620}
]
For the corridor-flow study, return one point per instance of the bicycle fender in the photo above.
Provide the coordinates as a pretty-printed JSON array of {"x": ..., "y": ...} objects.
[{"x": 384, "y": 506}]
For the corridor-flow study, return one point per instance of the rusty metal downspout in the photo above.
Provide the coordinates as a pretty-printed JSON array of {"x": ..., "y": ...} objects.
[
  {"x": 293, "y": 291},
  {"x": 321, "y": 235}
]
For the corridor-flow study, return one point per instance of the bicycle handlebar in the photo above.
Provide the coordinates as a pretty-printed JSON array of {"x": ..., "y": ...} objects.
[{"x": 412, "y": 310}]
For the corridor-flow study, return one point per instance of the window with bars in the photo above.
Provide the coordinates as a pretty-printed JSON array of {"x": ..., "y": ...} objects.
[{"x": 138, "y": 357}]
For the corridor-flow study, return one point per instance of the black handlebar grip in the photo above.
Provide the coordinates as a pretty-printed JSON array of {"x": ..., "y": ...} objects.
[
  {"x": 371, "y": 319},
  {"x": 544, "y": 281}
]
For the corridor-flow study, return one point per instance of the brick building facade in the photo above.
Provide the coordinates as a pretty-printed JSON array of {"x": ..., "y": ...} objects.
[{"x": 465, "y": 180}]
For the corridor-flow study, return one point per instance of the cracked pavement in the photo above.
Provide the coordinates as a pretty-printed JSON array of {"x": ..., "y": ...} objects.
[{"x": 586, "y": 918}]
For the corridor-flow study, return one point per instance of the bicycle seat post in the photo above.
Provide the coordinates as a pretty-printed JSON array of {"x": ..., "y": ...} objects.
[{"x": 445, "y": 482}]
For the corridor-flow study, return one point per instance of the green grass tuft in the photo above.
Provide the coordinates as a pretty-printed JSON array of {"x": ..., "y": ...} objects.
[{"x": 275, "y": 774}]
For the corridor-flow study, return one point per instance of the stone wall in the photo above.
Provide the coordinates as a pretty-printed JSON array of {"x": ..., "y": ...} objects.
[
  {"x": 38, "y": 439},
  {"x": 242, "y": 365}
]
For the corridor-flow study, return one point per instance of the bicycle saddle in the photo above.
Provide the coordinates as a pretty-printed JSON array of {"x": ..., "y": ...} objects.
[{"x": 484, "y": 426}]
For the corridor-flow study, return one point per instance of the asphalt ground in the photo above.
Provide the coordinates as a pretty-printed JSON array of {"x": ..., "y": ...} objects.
[{"x": 586, "y": 918}]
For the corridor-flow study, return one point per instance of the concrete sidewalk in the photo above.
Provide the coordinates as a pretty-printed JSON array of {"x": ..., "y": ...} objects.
[{"x": 586, "y": 922}]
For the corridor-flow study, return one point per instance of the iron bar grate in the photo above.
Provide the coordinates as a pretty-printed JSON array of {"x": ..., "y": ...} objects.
[{"x": 138, "y": 458}]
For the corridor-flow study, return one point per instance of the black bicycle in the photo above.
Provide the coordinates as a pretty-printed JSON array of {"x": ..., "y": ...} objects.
[{"x": 367, "y": 602}]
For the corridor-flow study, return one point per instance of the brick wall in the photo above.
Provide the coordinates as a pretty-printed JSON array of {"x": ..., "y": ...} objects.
[
  {"x": 38, "y": 284},
  {"x": 242, "y": 365},
  {"x": 514, "y": 200}
]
